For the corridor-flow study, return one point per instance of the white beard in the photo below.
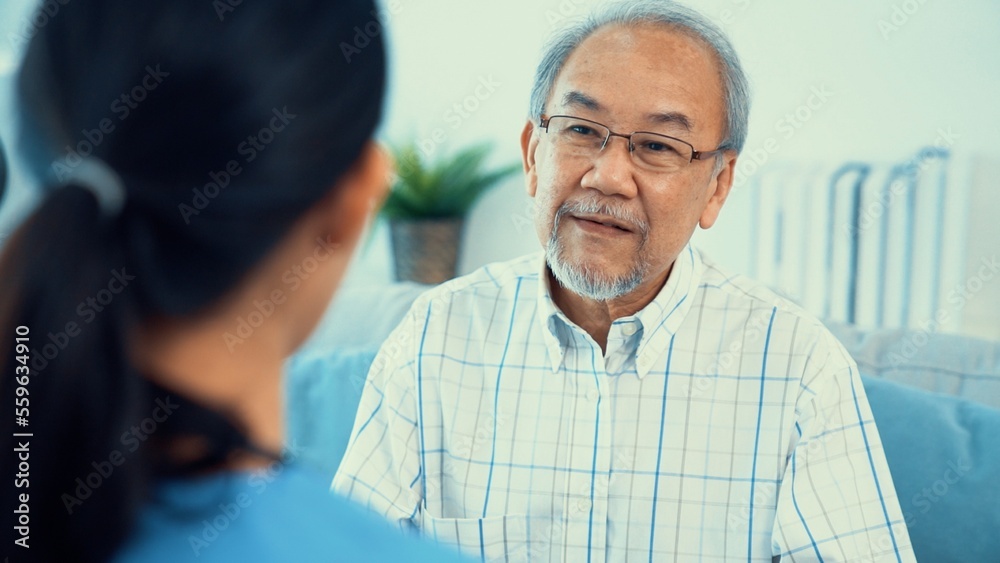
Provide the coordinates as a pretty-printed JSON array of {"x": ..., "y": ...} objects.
[{"x": 582, "y": 280}]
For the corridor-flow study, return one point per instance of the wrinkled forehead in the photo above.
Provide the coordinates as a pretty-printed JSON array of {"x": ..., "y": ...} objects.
[{"x": 643, "y": 76}]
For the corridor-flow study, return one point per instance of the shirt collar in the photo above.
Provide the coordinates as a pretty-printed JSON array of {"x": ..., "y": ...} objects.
[
  {"x": 554, "y": 321},
  {"x": 663, "y": 316},
  {"x": 659, "y": 320}
]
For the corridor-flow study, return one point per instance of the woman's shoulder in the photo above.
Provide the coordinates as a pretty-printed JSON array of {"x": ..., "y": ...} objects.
[{"x": 281, "y": 513}]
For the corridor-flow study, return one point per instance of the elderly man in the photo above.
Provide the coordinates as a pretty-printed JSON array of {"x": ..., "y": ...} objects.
[{"x": 618, "y": 397}]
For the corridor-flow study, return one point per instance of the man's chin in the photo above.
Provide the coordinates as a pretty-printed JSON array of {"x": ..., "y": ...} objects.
[{"x": 593, "y": 280}]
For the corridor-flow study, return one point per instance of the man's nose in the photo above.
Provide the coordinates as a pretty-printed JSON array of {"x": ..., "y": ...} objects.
[{"x": 612, "y": 169}]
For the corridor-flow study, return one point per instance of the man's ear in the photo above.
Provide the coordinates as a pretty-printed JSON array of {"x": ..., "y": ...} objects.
[
  {"x": 719, "y": 186},
  {"x": 529, "y": 142}
]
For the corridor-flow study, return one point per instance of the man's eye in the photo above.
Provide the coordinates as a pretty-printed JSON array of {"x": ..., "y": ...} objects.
[
  {"x": 654, "y": 146},
  {"x": 581, "y": 130}
]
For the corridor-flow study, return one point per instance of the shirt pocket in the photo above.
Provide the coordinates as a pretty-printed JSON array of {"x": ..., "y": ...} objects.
[{"x": 493, "y": 539}]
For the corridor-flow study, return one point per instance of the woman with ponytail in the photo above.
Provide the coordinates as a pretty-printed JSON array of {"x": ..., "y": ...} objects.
[{"x": 191, "y": 153}]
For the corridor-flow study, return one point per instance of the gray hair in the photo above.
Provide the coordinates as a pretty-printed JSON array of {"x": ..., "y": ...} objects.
[{"x": 736, "y": 88}]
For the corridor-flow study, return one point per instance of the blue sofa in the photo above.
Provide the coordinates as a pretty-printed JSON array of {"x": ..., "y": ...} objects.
[{"x": 935, "y": 397}]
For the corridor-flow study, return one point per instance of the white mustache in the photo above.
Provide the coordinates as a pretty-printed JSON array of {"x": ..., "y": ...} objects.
[{"x": 591, "y": 206}]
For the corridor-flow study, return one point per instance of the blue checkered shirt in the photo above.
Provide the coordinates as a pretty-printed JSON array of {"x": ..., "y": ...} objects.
[{"x": 722, "y": 424}]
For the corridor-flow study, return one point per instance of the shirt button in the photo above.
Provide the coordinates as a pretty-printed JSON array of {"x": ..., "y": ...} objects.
[
  {"x": 629, "y": 329},
  {"x": 592, "y": 395}
]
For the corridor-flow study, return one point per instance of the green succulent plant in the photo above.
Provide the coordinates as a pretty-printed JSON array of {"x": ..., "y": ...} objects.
[{"x": 443, "y": 188}]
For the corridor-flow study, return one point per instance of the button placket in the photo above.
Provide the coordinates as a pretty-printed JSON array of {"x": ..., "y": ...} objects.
[{"x": 597, "y": 504}]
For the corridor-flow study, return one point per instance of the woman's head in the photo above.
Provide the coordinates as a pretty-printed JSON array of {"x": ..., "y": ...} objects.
[
  {"x": 214, "y": 120},
  {"x": 239, "y": 134}
]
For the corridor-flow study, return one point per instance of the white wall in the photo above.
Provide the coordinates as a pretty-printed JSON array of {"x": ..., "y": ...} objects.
[
  {"x": 897, "y": 76},
  {"x": 899, "y": 73}
]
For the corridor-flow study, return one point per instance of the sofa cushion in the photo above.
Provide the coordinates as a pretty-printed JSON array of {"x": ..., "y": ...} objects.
[
  {"x": 323, "y": 391},
  {"x": 944, "y": 456},
  {"x": 363, "y": 317},
  {"x": 326, "y": 375},
  {"x": 942, "y": 363}
]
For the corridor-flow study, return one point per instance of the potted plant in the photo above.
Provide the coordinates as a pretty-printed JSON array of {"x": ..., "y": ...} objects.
[{"x": 427, "y": 205}]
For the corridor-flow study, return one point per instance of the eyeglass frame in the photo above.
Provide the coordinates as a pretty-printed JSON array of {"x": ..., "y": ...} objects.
[{"x": 543, "y": 123}]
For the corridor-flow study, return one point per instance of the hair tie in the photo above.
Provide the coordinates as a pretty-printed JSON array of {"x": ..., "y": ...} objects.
[{"x": 100, "y": 179}]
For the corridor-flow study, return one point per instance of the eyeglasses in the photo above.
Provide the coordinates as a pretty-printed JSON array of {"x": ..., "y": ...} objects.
[{"x": 575, "y": 136}]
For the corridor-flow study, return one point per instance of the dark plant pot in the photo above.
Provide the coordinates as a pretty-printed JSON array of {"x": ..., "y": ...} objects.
[{"x": 426, "y": 250}]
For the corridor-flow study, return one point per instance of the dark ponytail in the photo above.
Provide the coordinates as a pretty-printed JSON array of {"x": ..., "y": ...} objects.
[
  {"x": 80, "y": 279},
  {"x": 56, "y": 273}
]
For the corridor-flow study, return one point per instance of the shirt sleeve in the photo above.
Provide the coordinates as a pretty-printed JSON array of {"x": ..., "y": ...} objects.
[
  {"x": 381, "y": 468},
  {"x": 836, "y": 501}
]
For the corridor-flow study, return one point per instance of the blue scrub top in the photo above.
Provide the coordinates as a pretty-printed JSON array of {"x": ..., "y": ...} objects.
[{"x": 285, "y": 513}]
